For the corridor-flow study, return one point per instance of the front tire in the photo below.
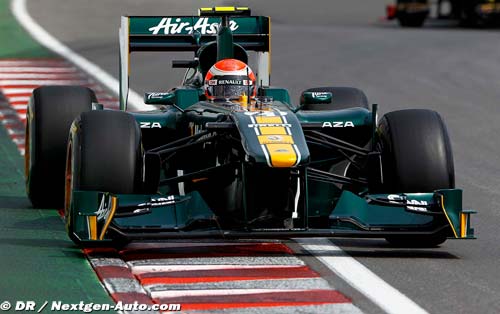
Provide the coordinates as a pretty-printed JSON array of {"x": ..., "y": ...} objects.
[
  {"x": 104, "y": 154},
  {"x": 416, "y": 157}
]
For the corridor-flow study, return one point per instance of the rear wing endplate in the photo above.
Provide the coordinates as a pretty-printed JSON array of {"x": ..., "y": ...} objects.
[{"x": 189, "y": 33}]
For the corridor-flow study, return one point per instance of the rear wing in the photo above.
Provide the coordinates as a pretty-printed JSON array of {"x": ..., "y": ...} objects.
[{"x": 189, "y": 33}]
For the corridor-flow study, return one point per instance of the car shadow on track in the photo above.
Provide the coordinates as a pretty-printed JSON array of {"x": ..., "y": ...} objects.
[
  {"x": 378, "y": 248},
  {"x": 403, "y": 253}
]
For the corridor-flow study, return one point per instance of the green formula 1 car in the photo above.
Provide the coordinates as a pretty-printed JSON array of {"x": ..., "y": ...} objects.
[
  {"x": 413, "y": 13},
  {"x": 255, "y": 166}
]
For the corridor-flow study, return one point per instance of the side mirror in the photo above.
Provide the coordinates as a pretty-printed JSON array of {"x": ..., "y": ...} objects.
[
  {"x": 316, "y": 98},
  {"x": 159, "y": 98},
  {"x": 308, "y": 98}
]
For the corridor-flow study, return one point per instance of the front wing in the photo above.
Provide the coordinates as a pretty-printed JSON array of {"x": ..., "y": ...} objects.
[{"x": 99, "y": 217}]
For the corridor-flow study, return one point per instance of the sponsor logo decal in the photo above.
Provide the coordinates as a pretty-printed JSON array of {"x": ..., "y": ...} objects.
[
  {"x": 169, "y": 26},
  {"x": 156, "y": 95},
  {"x": 150, "y": 125},
  {"x": 285, "y": 125},
  {"x": 394, "y": 198},
  {"x": 230, "y": 82},
  {"x": 274, "y": 138},
  {"x": 161, "y": 201},
  {"x": 104, "y": 209},
  {"x": 416, "y": 208},
  {"x": 337, "y": 124},
  {"x": 321, "y": 95}
]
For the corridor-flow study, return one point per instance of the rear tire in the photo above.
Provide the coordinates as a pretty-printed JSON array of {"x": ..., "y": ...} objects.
[
  {"x": 416, "y": 157},
  {"x": 412, "y": 20},
  {"x": 104, "y": 154},
  {"x": 50, "y": 113},
  {"x": 468, "y": 16},
  {"x": 343, "y": 98}
]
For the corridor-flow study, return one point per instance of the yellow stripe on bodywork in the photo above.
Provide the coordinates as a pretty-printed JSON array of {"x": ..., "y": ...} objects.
[
  {"x": 277, "y": 142},
  {"x": 272, "y": 130},
  {"x": 268, "y": 120},
  {"x": 282, "y": 155},
  {"x": 93, "y": 227},
  {"x": 463, "y": 225},
  {"x": 110, "y": 217},
  {"x": 446, "y": 214},
  {"x": 225, "y": 9}
]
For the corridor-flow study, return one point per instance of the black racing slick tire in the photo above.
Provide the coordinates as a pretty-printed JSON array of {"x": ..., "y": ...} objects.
[
  {"x": 343, "y": 98},
  {"x": 416, "y": 152},
  {"x": 104, "y": 154},
  {"x": 416, "y": 157},
  {"x": 412, "y": 20},
  {"x": 51, "y": 111}
]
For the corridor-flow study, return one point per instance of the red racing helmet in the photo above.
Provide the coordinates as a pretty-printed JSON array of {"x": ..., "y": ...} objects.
[{"x": 229, "y": 78}]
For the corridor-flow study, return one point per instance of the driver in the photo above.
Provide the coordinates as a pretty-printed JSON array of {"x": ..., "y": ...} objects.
[{"x": 230, "y": 79}]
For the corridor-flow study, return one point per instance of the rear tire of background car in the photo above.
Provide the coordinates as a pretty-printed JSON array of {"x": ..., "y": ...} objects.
[
  {"x": 412, "y": 20},
  {"x": 50, "y": 113},
  {"x": 416, "y": 157},
  {"x": 343, "y": 98},
  {"x": 104, "y": 154},
  {"x": 468, "y": 15}
]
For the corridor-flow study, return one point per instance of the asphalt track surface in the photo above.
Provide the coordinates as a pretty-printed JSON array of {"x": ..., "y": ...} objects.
[{"x": 455, "y": 71}]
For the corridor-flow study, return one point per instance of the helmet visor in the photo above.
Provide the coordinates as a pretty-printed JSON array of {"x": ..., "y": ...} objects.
[
  {"x": 230, "y": 86},
  {"x": 230, "y": 91}
]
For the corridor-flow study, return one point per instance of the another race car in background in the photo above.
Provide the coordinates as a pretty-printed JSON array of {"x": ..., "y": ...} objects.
[
  {"x": 257, "y": 166},
  {"x": 413, "y": 13}
]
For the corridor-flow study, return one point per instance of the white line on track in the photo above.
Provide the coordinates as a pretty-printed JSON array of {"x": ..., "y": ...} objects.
[
  {"x": 11, "y": 91},
  {"x": 65, "y": 70},
  {"x": 14, "y": 132},
  {"x": 18, "y": 8},
  {"x": 143, "y": 269},
  {"x": 19, "y": 107},
  {"x": 33, "y": 63},
  {"x": 18, "y": 141},
  {"x": 31, "y": 76},
  {"x": 216, "y": 292},
  {"x": 41, "y": 82},
  {"x": 18, "y": 98},
  {"x": 360, "y": 277}
]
